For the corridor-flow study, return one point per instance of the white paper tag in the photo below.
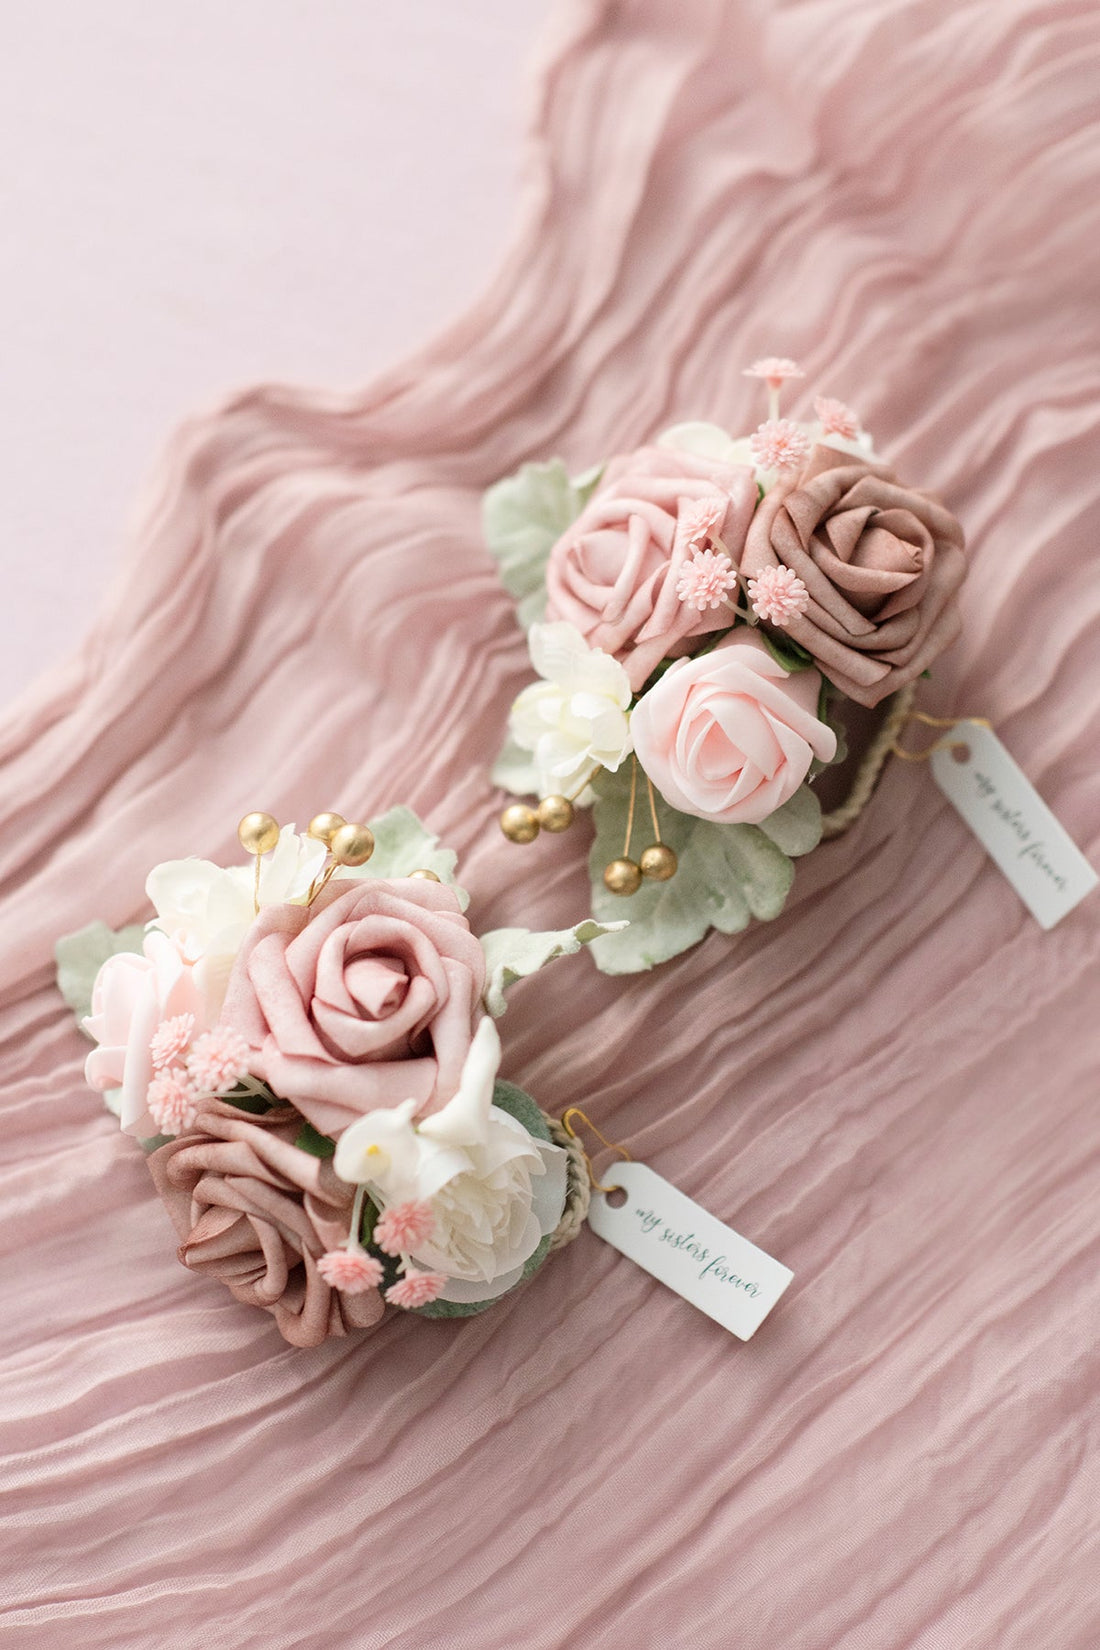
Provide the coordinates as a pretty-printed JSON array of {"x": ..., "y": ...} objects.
[
  {"x": 1013, "y": 824},
  {"x": 670, "y": 1237}
]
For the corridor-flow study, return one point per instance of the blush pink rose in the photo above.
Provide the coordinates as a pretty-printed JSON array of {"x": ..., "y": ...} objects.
[
  {"x": 366, "y": 999},
  {"x": 730, "y": 736},
  {"x": 255, "y": 1213},
  {"x": 613, "y": 573},
  {"x": 882, "y": 563},
  {"x": 131, "y": 996}
]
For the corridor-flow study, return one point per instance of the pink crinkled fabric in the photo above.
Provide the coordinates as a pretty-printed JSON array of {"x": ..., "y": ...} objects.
[{"x": 892, "y": 1087}]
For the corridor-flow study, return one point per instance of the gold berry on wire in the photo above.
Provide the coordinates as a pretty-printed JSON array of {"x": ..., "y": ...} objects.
[
  {"x": 324, "y": 826},
  {"x": 555, "y": 813},
  {"x": 658, "y": 862},
  {"x": 622, "y": 876},
  {"x": 519, "y": 822},
  {"x": 351, "y": 844},
  {"x": 258, "y": 833},
  {"x": 423, "y": 876}
]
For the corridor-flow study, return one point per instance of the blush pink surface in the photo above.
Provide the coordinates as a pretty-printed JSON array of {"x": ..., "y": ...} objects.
[{"x": 892, "y": 1088}]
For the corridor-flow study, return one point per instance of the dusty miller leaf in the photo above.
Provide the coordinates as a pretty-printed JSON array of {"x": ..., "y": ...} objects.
[
  {"x": 513, "y": 953},
  {"x": 514, "y": 770},
  {"x": 523, "y": 517},
  {"x": 727, "y": 874},
  {"x": 80, "y": 956},
  {"x": 403, "y": 845}
]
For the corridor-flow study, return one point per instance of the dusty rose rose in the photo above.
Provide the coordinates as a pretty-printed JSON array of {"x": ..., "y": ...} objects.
[
  {"x": 882, "y": 564},
  {"x": 367, "y": 999},
  {"x": 257, "y": 1214},
  {"x": 730, "y": 736},
  {"x": 613, "y": 573}
]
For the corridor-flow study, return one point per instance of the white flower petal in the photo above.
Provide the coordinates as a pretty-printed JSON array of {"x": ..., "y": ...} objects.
[{"x": 464, "y": 1120}]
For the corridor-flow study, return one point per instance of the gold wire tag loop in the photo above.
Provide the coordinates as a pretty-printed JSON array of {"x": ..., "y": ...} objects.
[
  {"x": 611, "y": 1145},
  {"x": 946, "y": 743}
]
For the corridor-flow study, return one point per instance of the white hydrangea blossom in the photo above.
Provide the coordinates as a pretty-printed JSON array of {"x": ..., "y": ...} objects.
[{"x": 577, "y": 717}]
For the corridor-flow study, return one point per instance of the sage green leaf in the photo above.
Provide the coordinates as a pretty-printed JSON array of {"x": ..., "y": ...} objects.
[
  {"x": 80, "y": 956},
  {"x": 523, "y": 517},
  {"x": 514, "y": 770},
  {"x": 519, "y": 1105},
  {"x": 726, "y": 875},
  {"x": 403, "y": 845},
  {"x": 796, "y": 826},
  {"x": 513, "y": 953}
]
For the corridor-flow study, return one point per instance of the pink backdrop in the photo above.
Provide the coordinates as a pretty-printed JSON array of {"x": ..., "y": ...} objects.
[
  {"x": 892, "y": 1088},
  {"x": 205, "y": 195}
]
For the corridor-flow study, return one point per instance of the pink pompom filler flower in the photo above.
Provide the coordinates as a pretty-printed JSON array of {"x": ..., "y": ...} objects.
[
  {"x": 774, "y": 369},
  {"x": 351, "y": 1271},
  {"x": 779, "y": 445},
  {"x": 835, "y": 418},
  {"x": 404, "y": 1227},
  {"x": 218, "y": 1060},
  {"x": 416, "y": 1289},
  {"x": 777, "y": 595},
  {"x": 705, "y": 579},
  {"x": 700, "y": 521},
  {"x": 172, "y": 1102},
  {"x": 170, "y": 1039}
]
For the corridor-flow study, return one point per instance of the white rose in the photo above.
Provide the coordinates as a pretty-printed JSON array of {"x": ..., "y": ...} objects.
[
  {"x": 494, "y": 1191},
  {"x": 576, "y": 718},
  {"x": 208, "y": 909}
]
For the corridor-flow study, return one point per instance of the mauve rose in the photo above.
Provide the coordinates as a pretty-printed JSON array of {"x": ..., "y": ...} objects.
[
  {"x": 256, "y": 1213},
  {"x": 367, "y": 998},
  {"x": 613, "y": 573},
  {"x": 882, "y": 564},
  {"x": 730, "y": 736}
]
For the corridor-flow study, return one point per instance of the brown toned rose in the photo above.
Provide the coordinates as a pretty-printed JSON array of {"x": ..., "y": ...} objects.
[
  {"x": 256, "y": 1213},
  {"x": 882, "y": 564}
]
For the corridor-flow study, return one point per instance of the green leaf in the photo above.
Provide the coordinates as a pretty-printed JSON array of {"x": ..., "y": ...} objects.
[
  {"x": 248, "y": 1100},
  {"x": 403, "y": 845},
  {"x": 519, "y": 1105},
  {"x": 80, "y": 956},
  {"x": 727, "y": 874},
  {"x": 309, "y": 1139},
  {"x": 524, "y": 516},
  {"x": 513, "y": 953},
  {"x": 788, "y": 653}
]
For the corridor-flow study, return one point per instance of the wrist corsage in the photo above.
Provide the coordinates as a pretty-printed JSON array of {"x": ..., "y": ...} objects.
[
  {"x": 307, "y": 1049},
  {"x": 698, "y": 613}
]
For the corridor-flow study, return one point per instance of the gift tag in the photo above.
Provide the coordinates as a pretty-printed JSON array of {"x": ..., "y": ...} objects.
[
  {"x": 681, "y": 1245},
  {"x": 1012, "y": 823}
]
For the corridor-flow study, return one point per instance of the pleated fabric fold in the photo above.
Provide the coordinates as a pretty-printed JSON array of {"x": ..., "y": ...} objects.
[{"x": 892, "y": 1087}]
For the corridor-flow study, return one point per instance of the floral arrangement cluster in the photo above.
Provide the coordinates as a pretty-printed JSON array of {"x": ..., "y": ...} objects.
[
  {"x": 698, "y": 611},
  {"x": 307, "y": 1049}
]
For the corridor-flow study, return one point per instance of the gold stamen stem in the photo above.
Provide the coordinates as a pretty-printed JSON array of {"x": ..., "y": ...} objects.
[
  {"x": 573, "y": 794},
  {"x": 320, "y": 887},
  {"x": 653, "y": 809},
  {"x": 256, "y": 888},
  {"x": 630, "y": 810}
]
